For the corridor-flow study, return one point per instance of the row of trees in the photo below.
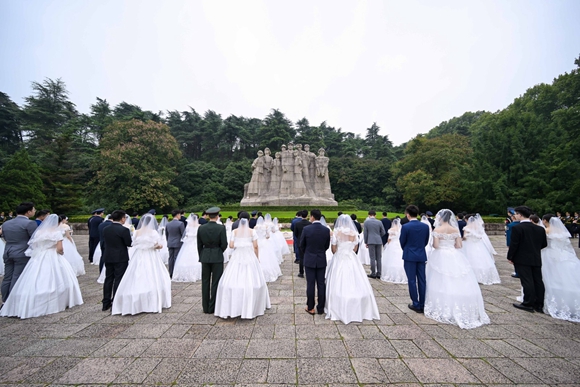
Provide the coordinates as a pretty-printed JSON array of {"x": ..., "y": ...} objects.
[{"x": 126, "y": 157}]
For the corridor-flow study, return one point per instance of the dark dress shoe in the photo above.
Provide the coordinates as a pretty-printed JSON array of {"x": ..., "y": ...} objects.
[
  {"x": 415, "y": 309},
  {"x": 515, "y": 275},
  {"x": 524, "y": 307},
  {"x": 107, "y": 307},
  {"x": 378, "y": 276},
  {"x": 310, "y": 311},
  {"x": 539, "y": 310},
  {"x": 300, "y": 275},
  {"x": 371, "y": 276},
  {"x": 297, "y": 261}
]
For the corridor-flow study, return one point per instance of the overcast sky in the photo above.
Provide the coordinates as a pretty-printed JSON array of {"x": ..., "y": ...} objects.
[{"x": 406, "y": 65}]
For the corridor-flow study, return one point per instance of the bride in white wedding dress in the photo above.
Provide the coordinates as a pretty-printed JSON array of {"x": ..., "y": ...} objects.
[
  {"x": 478, "y": 253},
  {"x": 393, "y": 264},
  {"x": 349, "y": 295},
  {"x": 187, "y": 266},
  {"x": 453, "y": 295},
  {"x": 48, "y": 283},
  {"x": 560, "y": 272},
  {"x": 145, "y": 286},
  {"x": 242, "y": 290}
]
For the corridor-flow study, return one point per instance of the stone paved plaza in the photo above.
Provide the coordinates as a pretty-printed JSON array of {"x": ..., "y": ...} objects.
[{"x": 182, "y": 346}]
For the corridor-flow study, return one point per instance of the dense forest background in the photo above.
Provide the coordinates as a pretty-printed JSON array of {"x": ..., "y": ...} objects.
[{"x": 125, "y": 157}]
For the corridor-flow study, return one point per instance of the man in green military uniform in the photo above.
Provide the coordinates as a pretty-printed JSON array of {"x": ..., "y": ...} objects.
[{"x": 211, "y": 244}]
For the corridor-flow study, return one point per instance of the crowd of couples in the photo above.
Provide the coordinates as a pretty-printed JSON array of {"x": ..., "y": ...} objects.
[{"x": 40, "y": 279}]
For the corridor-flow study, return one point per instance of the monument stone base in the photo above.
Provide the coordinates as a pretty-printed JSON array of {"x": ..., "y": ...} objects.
[{"x": 287, "y": 201}]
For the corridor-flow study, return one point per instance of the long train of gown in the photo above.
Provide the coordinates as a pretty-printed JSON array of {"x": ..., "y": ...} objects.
[
  {"x": 480, "y": 259},
  {"x": 349, "y": 295},
  {"x": 453, "y": 295},
  {"x": 561, "y": 275},
  {"x": 145, "y": 286},
  {"x": 187, "y": 266},
  {"x": 73, "y": 257},
  {"x": 267, "y": 255},
  {"x": 97, "y": 255},
  {"x": 242, "y": 290},
  {"x": 392, "y": 262},
  {"x": 363, "y": 251},
  {"x": 47, "y": 285}
]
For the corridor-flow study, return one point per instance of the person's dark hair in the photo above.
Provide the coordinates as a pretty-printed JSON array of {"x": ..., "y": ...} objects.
[
  {"x": 259, "y": 213},
  {"x": 230, "y": 217},
  {"x": 117, "y": 215},
  {"x": 174, "y": 213},
  {"x": 243, "y": 215},
  {"x": 42, "y": 213},
  {"x": 135, "y": 214},
  {"x": 61, "y": 217},
  {"x": 445, "y": 215},
  {"x": 412, "y": 210},
  {"x": 238, "y": 215},
  {"x": 304, "y": 213},
  {"x": 384, "y": 213},
  {"x": 353, "y": 216},
  {"x": 372, "y": 213},
  {"x": 299, "y": 213},
  {"x": 203, "y": 213},
  {"x": 339, "y": 213},
  {"x": 547, "y": 217},
  {"x": 213, "y": 216},
  {"x": 469, "y": 216},
  {"x": 459, "y": 215},
  {"x": 23, "y": 208},
  {"x": 524, "y": 211},
  {"x": 535, "y": 218},
  {"x": 316, "y": 214}
]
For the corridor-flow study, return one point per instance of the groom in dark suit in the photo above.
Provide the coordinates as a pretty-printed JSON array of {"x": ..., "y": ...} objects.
[
  {"x": 116, "y": 241},
  {"x": 527, "y": 242},
  {"x": 414, "y": 238},
  {"x": 314, "y": 242}
]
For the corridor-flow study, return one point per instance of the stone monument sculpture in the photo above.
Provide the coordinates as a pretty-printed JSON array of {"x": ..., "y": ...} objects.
[{"x": 294, "y": 177}]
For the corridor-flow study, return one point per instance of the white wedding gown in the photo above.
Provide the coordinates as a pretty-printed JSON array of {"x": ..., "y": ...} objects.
[
  {"x": 242, "y": 290},
  {"x": 393, "y": 265},
  {"x": 187, "y": 266},
  {"x": 480, "y": 258},
  {"x": 349, "y": 295},
  {"x": 561, "y": 275},
  {"x": 145, "y": 286},
  {"x": 363, "y": 251},
  {"x": 267, "y": 254},
  {"x": 47, "y": 285},
  {"x": 2, "y": 245},
  {"x": 453, "y": 295},
  {"x": 70, "y": 252}
]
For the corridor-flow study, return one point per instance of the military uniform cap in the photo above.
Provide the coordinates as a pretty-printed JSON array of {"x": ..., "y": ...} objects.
[
  {"x": 152, "y": 212},
  {"x": 98, "y": 210},
  {"x": 254, "y": 213},
  {"x": 213, "y": 210},
  {"x": 429, "y": 213}
]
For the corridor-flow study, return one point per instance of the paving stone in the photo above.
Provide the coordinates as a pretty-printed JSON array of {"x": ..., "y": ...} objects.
[
  {"x": 282, "y": 371},
  {"x": 513, "y": 371},
  {"x": 270, "y": 349},
  {"x": 27, "y": 366},
  {"x": 484, "y": 371},
  {"x": 53, "y": 370},
  {"x": 560, "y": 347},
  {"x": 368, "y": 370},
  {"x": 95, "y": 370},
  {"x": 317, "y": 332},
  {"x": 312, "y": 371},
  {"x": 144, "y": 331},
  {"x": 253, "y": 371},
  {"x": 105, "y": 331},
  {"x": 172, "y": 348},
  {"x": 209, "y": 349},
  {"x": 349, "y": 331},
  {"x": 167, "y": 371},
  {"x": 134, "y": 348},
  {"x": 233, "y": 349},
  {"x": 370, "y": 348},
  {"x": 551, "y": 370},
  {"x": 308, "y": 348},
  {"x": 439, "y": 371},
  {"x": 210, "y": 371},
  {"x": 403, "y": 332},
  {"x": 230, "y": 332},
  {"x": 137, "y": 371},
  {"x": 177, "y": 331},
  {"x": 468, "y": 348},
  {"x": 397, "y": 371},
  {"x": 407, "y": 348},
  {"x": 280, "y": 332},
  {"x": 333, "y": 348}
]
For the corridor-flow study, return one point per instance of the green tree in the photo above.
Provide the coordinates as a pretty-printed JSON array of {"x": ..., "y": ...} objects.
[
  {"x": 20, "y": 182},
  {"x": 276, "y": 130},
  {"x": 135, "y": 167},
  {"x": 10, "y": 135}
]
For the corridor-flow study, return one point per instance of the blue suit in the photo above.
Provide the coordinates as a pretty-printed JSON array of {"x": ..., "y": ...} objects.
[
  {"x": 314, "y": 241},
  {"x": 414, "y": 238}
]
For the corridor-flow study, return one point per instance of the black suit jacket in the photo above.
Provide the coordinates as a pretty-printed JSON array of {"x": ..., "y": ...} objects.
[
  {"x": 135, "y": 222},
  {"x": 527, "y": 242},
  {"x": 299, "y": 227},
  {"x": 117, "y": 239},
  {"x": 314, "y": 242},
  {"x": 387, "y": 225},
  {"x": 93, "y": 223},
  {"x": 357, "y": 226},
  {"x": 102, "y": 226},
  {"x": 253, "y": 222},
  {"x": 461, "y": 224}
]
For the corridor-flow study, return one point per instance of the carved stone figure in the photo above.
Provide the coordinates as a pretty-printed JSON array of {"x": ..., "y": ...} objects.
[{"x": 293, "y": 177}]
